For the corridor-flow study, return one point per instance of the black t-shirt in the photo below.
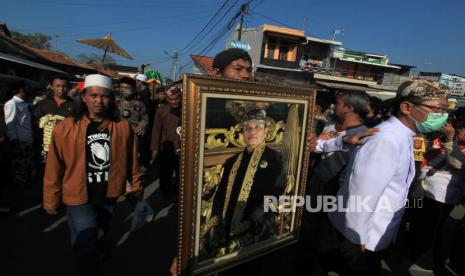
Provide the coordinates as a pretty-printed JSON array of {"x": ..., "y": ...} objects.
[{"x": 97, "y": 163}]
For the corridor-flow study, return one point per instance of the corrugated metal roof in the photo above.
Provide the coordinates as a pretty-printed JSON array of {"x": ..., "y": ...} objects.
[
  {"x": 344, "y": 86},
  {"x": 61, "y": 58},
  {"x": 30, "y": 63},
  {"x": 50, "y": 56}
]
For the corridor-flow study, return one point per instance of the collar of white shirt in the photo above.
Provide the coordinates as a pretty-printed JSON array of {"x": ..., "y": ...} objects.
[
  {"x": 402, "y": 129},
  {"x": 18, "y": 99}
]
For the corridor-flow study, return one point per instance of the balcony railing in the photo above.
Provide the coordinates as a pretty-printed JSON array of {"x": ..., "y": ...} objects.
[
  {"x": 355, "y": 75},
  {"x": 324, "y": 67},
  {"x": 280, "y": 63},
  {"x": 311, "y": 63}
]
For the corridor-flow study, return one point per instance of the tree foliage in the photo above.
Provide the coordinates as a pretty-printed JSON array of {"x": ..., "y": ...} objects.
[
  {"x": 36, "y": 40},
  {"x": 94, "y": 58}
]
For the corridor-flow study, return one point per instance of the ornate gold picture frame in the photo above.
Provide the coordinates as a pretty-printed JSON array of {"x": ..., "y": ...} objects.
[{"x": 242, "y": 143}]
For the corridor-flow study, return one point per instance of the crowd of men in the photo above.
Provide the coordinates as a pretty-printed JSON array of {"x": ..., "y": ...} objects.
[
  {"x": 381, "y": 172},
  {"x": 410, "y": 148},
  {"x": 102, "y": 141}
]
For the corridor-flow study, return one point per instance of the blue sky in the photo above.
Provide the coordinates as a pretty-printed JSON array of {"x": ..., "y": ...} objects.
[{"x": 427, "y": 34}]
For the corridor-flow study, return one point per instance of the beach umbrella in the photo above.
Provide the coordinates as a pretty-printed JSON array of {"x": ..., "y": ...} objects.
[{"x": 107, "y": 44}]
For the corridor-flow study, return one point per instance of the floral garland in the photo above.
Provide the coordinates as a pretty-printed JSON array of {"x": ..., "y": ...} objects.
[{"x": 48, "y": 123}]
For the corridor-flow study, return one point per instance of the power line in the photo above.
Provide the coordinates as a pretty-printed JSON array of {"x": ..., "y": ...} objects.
[
  {"x": 258, "y": 4},
  {"x": 156, "y": 60},
  {"x": 206, "y": 25},
  {"x": 157, "y": 63},
  {"x": 227, "y": 27},
  {"x": 215, "y": 24},
  {"x": 111, "y": 5},
  {"x": 135, "y": 29},
  {"x": 276, "y": 21},
  {"x": 215, "y": 40},
  {"x": 152, "y": 57},
  {"x": 175, "y": 57},
  {"x": 220, "y": 34},
  {"x": 204, "y": 50},
  {"x": 117, "y": 23}
]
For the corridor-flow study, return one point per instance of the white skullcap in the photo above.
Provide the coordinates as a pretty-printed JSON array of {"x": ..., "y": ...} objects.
[
  {"x": 99, "y": 81},
  {"x": 141, "y": 77}
]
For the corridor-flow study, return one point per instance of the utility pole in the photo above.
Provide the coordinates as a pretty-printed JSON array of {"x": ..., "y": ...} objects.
[
  {"x": 337, "y": 32},
  {"x": 180, "y": 71},
  {"x": 244, "y": 9},
  {"x": 56, "y": 42},
  {"x": 175, "y": 60},
  {"x": 305, "y": 24},
  {"x": 175, "y": 57}
]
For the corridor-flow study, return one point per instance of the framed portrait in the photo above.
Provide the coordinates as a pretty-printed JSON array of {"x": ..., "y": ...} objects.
[{"x": 243, "y": 150}]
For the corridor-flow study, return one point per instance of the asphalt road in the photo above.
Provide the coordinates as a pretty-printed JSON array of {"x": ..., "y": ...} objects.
[{"x": 34, "y": 243}]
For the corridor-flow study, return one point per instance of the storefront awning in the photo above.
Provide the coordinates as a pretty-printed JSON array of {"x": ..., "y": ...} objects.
[
  {"x": 19, "y": 60},
  {"x": 343, "y": 86},
  {"x": 382, "y": 94}
]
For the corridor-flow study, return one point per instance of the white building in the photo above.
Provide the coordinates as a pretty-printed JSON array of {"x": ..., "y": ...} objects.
[{"x": 454, "y": 82}]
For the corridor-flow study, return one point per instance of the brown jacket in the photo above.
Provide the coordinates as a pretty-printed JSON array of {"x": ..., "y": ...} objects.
[
  {"x": 164, "y": 135},
  {"x": 65, "y": 172}
]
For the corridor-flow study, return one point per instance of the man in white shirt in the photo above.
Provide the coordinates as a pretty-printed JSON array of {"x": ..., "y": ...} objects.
[
  {"x": 19, "y": 133},
  {"x": 379, "y": 173}
]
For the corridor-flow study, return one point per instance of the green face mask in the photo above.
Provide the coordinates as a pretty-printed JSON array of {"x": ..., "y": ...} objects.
[{"x": 433, "y": 122}]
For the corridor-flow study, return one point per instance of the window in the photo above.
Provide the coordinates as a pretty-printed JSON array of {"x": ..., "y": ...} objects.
[
  {"x": 283, "y": 50},
  {"x": 306, "y": 54},
  {"x": 271, "y": 48}
]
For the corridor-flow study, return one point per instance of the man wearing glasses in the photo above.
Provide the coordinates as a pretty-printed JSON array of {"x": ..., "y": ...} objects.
[
  {"x": 375, "y": 190},
  {"x": 237, "y": 212}
]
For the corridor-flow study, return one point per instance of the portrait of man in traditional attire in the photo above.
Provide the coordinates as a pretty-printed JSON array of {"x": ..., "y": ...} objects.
[{"x": 238, "y": 218}]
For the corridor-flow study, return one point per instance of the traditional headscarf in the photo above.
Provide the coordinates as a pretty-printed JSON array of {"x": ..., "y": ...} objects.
[{"x": 424, "y": 89}]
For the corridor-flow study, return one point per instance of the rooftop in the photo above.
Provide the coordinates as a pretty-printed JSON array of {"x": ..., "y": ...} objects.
[
  {"x": 54, "y": 57},
  {"x": 282, "y": 30},
  {"x": 4, "y": 29},
  {"x": 403, "y": 65},
  {"x": 122, "y": 68},
  {"x": 350, "y": 52},
  {"x": 321, "y": 40},
  {"x": 430, "y": 73},
  {"x": 204, "y": 63}
]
